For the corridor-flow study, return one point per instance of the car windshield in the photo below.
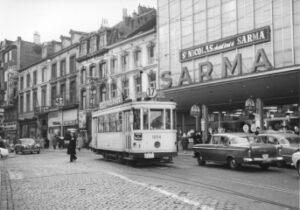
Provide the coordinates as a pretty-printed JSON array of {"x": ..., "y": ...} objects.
[
  {"x": 27, "y": 141},
  {"x": 239, "y": 141},
  {"x": 291, "y": 140}
]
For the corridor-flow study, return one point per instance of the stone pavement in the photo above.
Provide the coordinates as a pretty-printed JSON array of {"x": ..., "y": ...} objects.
[{"x": 76, "y": 186}]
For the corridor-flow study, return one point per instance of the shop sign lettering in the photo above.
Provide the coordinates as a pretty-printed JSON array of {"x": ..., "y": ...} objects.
[
  {"x": 228, "y": 68},
  {"x": 257, "y": 36}
]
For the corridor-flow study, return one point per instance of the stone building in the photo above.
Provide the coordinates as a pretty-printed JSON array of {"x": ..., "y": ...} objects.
[{"x": 117, "y": 62}]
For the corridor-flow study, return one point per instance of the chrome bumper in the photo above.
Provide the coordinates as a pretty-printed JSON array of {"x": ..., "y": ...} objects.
[{"x": 270, "y": 159}]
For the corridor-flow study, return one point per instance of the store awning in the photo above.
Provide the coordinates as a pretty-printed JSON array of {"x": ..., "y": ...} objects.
[{"x": 273, "y": 87}]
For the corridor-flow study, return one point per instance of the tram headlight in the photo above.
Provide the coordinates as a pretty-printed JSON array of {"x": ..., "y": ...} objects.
[{"x": 157, "y": 144}]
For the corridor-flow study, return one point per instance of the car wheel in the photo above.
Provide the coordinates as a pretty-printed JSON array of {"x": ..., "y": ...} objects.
[
  {"x": 298, "y": 167},
  {"x": 200, "y": 159},
  {"x": 264, "y": 166},
  {"x": 233, "y": 164}
]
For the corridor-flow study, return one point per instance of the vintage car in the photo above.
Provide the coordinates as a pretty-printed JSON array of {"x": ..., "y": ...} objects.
[
  {"x": 296, "y": 161},
  {"x": 27, "y": 145},
  {"x": 289, "y": 142},
  {"x": 236, "y": 149},
  {"x": 3, "y": 152}
]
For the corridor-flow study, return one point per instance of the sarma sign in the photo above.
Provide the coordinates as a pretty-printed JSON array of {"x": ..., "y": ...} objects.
[{"x": 253, "y": 37}]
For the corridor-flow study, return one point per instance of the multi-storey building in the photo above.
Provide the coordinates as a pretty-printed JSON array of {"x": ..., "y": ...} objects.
[
  {"x": 48, "y": 95},
  {"x": 14, "y": 56},
  {"x": 238, "y": 60},
  {"x": 117, "y": 62}
]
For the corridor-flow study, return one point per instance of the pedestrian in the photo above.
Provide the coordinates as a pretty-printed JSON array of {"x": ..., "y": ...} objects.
[
  {"x": 72, "y": 147},
  {"x": 79, "y": 142},
  {"x": 54, "y": 140}
]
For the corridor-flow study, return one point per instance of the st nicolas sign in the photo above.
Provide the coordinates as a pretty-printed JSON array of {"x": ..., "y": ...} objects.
[{"x": 228, "y": 68}]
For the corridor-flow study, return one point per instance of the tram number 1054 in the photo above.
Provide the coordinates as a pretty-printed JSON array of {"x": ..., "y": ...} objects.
[{"x": 149, "y": 155}]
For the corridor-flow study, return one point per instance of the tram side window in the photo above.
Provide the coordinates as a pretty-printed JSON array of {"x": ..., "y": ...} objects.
[
  {"x": 100, "y": 124},
  {"x": 112, "y": 123},
  {"x": 156, "y": 118},
  {"x": 106, "y": 123},
  {"x": 136, "y": 119},
  {"x": 168, "y": 119},
  {"x": 146, "y": 119},
  {"x": 119, "y": 121},
  {"x": 174, "y": 119}
]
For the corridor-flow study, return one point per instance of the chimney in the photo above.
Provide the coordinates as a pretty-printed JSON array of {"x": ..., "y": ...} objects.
[
  {"x": 124, "y": 13},
  {"x": 36, "y": 38}
]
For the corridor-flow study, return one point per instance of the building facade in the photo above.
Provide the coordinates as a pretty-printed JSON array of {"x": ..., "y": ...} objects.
[
  {"x": 117, "y": 63},
  {"x": 15, "y": 55},
  {"x": 48, "y": 90},
  {"x": 237, "y": 60}
]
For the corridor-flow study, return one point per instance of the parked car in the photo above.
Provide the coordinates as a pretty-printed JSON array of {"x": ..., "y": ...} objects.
[
  {"x": 289, "y": 142},
  {"x": 3, "y": 152},
  {"x": 236, "y": 149},
  {"x": 27, "y": 145},
  {"x": 296, "y": 161}
]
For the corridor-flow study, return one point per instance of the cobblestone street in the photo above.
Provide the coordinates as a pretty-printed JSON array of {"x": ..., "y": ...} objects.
[{"x": 49, "y": 181}]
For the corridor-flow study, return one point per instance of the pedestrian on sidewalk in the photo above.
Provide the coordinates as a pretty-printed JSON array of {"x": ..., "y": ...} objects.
[
  {"x": 79, "y": 142},
  {"x": 72, "y": 146}
]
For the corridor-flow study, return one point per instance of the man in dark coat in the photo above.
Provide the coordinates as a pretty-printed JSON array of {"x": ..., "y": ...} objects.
[{"x": 72, "y": 146}]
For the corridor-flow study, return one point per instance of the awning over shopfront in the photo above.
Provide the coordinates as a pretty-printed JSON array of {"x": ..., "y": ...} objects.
[{"x": 273, "y": 87}]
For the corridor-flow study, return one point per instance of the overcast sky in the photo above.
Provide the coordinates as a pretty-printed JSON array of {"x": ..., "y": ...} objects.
[{"x": 52, "y": 18}]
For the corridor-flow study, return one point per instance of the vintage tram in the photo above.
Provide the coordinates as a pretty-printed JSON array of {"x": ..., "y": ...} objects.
[{"x": 135, "y": 131}]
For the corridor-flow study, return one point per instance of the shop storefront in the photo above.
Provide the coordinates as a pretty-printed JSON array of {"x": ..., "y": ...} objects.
[
  {"x": 222, "y": 64},
  {"x": 10, "y": 131}
]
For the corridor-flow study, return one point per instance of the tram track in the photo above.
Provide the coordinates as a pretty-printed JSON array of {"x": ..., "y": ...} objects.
[{"x": 193, "y": 182}]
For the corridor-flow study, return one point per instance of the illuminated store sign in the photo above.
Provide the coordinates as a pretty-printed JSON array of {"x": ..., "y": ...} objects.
[{"x": 253, "y": 37}]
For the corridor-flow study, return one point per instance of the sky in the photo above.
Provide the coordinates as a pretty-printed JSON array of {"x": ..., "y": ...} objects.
[{"x": 53, "y": 18}]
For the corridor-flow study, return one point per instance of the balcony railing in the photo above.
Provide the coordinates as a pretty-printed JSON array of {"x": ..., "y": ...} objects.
[{"x": 41, "y": 109}]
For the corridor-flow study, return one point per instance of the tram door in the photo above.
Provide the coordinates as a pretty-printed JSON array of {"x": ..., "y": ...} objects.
[{"x": 127, "y": 129}]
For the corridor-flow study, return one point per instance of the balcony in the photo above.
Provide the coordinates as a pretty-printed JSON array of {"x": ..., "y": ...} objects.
[{"x": 41, "y": 110}]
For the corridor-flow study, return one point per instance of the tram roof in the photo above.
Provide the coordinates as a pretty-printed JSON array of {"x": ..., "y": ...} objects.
[{"x": 135, "y": 104}]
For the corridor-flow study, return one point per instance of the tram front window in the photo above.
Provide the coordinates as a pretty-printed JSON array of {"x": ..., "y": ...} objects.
[
  {"x": 146, "y": 119},
  {"x": 156, "y": 118},
  {"x": 168, "y": 119},
  {"x": 136, "y": 119}
]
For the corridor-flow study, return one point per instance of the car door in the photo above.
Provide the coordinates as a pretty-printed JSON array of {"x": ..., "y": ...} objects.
[
  {"x": 222, "y": 149},
  {"x": 208, "y": 150}
]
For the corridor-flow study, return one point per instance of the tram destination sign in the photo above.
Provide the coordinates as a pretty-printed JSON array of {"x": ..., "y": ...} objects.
[{"x": 253, "y": 37}]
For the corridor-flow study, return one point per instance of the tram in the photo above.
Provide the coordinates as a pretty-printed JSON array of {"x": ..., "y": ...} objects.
[{"x": 135, "y": 131}]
